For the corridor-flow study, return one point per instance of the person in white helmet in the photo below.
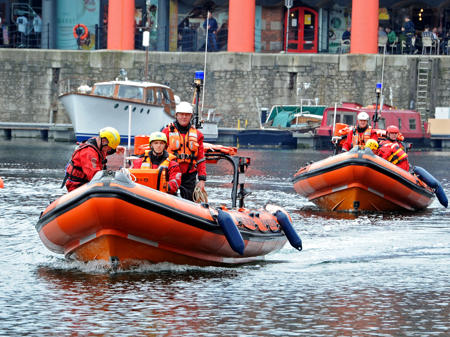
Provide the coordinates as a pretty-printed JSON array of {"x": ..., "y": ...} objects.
[
  {"x": 360, "y": 134},
  {"x": 186, "y": 143}
]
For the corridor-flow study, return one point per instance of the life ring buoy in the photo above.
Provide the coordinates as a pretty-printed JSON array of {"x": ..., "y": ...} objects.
[{"x": 85, "y": 32}]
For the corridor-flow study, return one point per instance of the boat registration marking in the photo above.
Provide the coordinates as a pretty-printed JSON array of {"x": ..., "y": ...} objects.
[
  {"x": 340, "y": 188},
  {"x": 142, "y": 240},
  {"x": 375, "y": 192}
]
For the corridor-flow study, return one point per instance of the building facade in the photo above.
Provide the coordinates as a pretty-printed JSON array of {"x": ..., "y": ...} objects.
[{"x": 309, "y": 26}]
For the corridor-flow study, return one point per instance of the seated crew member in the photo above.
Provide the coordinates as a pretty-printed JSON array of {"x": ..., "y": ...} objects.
[
  {"x": 157, "y": 157},
  {"x": 392, "y": 150},
  {"x": 186, "y": 143},
  {"x": 360, "y": 134},
  {"x": 373, "y": 145},
  {"x": 90, "y": 157}
]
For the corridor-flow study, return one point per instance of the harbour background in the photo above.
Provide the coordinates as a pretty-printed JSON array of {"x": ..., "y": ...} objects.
[
  {"x": 238, "y": 85},
  {"x": 364, "y": 275}
]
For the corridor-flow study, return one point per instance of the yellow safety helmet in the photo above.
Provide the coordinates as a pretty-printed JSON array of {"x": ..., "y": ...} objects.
[
  {"x": 158, "y": 136},
  {"x": 112, "y": 135},
  {"x": 372, "y": 144}
]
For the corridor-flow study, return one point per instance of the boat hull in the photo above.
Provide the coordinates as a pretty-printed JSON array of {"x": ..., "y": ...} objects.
[
  {"x": 90, "y": 113},
  {"x": 361, "y": 181},
  {"x": 114, "y": 219}
]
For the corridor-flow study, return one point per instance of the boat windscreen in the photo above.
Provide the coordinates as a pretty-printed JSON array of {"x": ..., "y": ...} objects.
[
  {"x": 106, "y": 90},
  {"x": 131, "y": 92},
  {"x": 345, "y": 117}
]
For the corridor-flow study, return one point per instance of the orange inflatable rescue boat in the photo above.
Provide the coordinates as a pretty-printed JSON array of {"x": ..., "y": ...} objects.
[
  {"x": 1, "y": 183},
  {"x": 115, "y": 219},
  {"x": 359, "y": 180}
]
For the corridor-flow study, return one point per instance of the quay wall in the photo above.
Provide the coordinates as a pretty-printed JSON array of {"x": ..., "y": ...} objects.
[{"x": 238, "y": 85}]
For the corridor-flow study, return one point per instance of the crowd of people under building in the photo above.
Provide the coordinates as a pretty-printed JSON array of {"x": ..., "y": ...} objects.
[{"x": 408, "y": 40}]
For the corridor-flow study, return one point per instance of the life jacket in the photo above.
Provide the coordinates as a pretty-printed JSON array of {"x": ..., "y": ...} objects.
[
  {"x": 75, "y": 173},
  {"x": 147, "y": 163},
  {"x": 361, "y": 138},
  {"x": 397, "y": 154},
  {"x": 184, "y": 147}
]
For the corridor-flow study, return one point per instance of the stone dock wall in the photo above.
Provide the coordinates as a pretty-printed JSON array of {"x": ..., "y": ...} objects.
[{"x": 238, "y": 85}]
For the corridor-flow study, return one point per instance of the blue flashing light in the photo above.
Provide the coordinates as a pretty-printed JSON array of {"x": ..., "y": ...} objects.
[{"x": 199, "y": 75}]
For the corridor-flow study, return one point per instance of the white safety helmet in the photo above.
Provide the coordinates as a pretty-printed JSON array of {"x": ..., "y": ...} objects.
[
  {"x": 184, "y": 107},
  {"x": 363, "y": 116}
]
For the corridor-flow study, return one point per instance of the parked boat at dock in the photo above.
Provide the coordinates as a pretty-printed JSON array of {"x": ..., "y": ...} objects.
[
  {"x": 359, "y": 180},
  {"x": 152, "y": 107}
]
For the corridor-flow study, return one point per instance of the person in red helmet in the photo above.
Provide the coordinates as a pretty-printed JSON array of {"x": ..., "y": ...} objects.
[
  {"x": 186, "y": 143},
  {"x": 90, "y": 157},
  {"x": 392, "y": 150},
  {"x": 360, "y": 134},
  {"x": 157, "y": 157}
]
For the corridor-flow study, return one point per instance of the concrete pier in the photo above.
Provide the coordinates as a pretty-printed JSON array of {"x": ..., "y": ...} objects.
[{"x": 43, "y": 131}]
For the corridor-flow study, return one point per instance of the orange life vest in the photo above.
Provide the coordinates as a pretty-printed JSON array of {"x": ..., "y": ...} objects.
[
  {"x": 147, "y": 163},
  {"x": 361, "y": 138},
  {"x": 184, "y": 147}
]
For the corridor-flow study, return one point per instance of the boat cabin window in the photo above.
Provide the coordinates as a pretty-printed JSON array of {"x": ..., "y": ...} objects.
[
  {"x": 382, "y": 123},
  {"x": 130, "y": 92},
  {"x": 348, "y": 119},
  {"x": 412, "y": 124},
  {"x": 159, "y": 96},
  {"x": 105, "y": 90},
  {"x": 341, "y": 117},
  {"x": 166, "y": 96},
  {"x": 399, "y": 124},
  {"x": 150, "y": 96}
]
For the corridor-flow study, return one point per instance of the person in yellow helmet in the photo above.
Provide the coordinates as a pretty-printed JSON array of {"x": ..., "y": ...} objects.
[
  {"x": 90, "y": 157},
  {"x": 157, "y": 157}
]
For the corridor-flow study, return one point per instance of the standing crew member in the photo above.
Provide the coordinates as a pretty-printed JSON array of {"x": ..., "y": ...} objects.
[
  {"x": 157, "y": 157},
  {"x": 90, "y": 157},
  {"x": 186, "y": 143},
  {"x": 392, "y": 150},
  {"x": 360, "y": 134}
]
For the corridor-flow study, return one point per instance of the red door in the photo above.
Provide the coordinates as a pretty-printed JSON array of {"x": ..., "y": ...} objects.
[{"x": 302, "y": 36}]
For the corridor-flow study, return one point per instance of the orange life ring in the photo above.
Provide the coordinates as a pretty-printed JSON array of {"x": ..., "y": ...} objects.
[{"x": 82, "y": 36}]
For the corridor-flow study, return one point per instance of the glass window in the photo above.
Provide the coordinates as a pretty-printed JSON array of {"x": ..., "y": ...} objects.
[
  {"x": 105, "y": 90},
  {"x": 399, "y": 124},
  {"x": 131, "y": 92},
  {"x": 348, "y": 119},
  {"x": 158, "y": 96},
  {"x": 382, "y": 123},
  {"x": 412, "y": 124},
  {"x": 150, "y": 96},
  {"x": 166, "y": 96}
]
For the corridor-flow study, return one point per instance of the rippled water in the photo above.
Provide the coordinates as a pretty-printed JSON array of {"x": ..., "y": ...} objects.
[{"x": 367, "y": 275}]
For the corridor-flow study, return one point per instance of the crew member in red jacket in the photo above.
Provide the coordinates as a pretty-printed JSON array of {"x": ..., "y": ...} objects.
[
  {"x": 360, "y": 134},
  {"x": 90, "y": 157},
  {"x": 392, "y": 150},
  {"x": 186, "y": 143},
  {"x": 157, "y": 157}
]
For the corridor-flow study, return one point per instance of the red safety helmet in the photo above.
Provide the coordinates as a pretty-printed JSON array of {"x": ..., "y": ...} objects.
[{"x": 393, "y": 129}]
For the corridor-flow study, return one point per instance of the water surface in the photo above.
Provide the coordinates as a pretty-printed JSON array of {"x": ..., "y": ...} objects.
[{"x": 367, "y": 275}]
